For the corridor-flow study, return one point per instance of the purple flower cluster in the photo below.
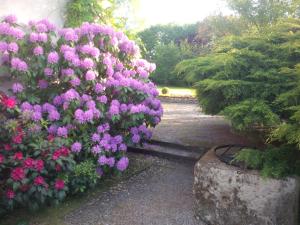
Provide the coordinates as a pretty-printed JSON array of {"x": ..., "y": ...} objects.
[
  {"x": 17, "y": 88},
  {"x": 90, "y": 95},
  {"x": 53, "y": 58},
  {"x": 76, "y": 147},
  {"x": 122, "y": 164},
  {"x": 19, "y": 64}
]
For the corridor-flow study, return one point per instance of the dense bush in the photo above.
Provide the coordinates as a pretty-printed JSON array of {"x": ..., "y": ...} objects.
[
  {"x": 274, "y": 162},
  {"x": 254, "y": 81},
  {"x": 31, "y": 165},
  {"x": 84, "y": 88}
]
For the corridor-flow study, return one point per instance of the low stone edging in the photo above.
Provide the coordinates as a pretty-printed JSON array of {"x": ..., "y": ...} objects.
[{"x": 227, "y": 195}]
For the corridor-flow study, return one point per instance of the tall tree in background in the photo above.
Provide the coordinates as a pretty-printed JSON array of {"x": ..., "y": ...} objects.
[
  {"x": 166, "y": 34},
  {"x": 101, "y": 11},
  {"x": 261, "y": 13}
]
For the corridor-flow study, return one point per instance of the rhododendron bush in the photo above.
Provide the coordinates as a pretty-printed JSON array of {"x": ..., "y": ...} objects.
[
  {"x": 32, "y": 166},
  {"x": 85, "y": 90}
]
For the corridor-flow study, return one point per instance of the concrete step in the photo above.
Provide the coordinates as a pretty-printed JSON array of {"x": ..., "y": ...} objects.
[{"x": 169, "y": 150}]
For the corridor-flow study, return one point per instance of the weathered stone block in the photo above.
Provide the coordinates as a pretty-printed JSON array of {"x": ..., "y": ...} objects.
[{"x": 227, "y": 195}]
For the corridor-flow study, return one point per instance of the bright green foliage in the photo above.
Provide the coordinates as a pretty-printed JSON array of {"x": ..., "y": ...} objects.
[
  {"x": 273, "y": 162},
  {"x": 251, "y": 157},
  {"x": 254, "y": 80},
  {"x": 195, "y": 69},
  {"x": 251, "y": 114},
  {"x": 167, "y": 45},
  {"x": 102, "y": 11},
  {"x": 84, "y": 177},
  {"x": 250, "y": 70}
]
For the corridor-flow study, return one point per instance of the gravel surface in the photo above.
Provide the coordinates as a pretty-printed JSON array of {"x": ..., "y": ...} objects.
[
  {"x": 160, "y": 191},
  {"x": 160, "y": 195}
]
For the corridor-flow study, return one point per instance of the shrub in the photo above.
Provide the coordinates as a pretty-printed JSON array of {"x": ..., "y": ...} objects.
[
  {"x": 253, "y": 79},
  {"x": 276, "y": 162},
  {"x": 31, "y": 166},
  {"x": 165, "y": 90},
  {"x": 85, "y": 176},
  {"x": 85, "y": 88}
]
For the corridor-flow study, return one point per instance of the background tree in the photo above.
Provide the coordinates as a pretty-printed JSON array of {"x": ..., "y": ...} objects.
[
  {"x": 166, "y": 57},
  {"x": 101, "y": 11},
  {"x": 261, "y": 13},
  {"x": 166, "y": 34}
]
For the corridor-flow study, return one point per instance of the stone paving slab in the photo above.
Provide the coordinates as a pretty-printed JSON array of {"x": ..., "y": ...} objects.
[{"x": 160, "y": 195}]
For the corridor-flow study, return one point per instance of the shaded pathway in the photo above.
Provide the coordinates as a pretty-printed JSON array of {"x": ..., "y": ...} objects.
[{"x": 160, "y": 195}]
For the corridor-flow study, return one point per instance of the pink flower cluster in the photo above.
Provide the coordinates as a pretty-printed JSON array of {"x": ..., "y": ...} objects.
[{"x": 94, "y": 89}]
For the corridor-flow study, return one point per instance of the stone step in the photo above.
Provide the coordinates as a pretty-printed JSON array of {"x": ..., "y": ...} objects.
[{"x": 169, "y": 150}]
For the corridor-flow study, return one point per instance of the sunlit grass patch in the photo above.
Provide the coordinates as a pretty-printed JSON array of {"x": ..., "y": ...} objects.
[{"x": 177, "y": 91}]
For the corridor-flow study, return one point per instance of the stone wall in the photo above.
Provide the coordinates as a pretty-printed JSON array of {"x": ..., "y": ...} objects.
[
  {"x": 27, "y": 10},
  {"x": 227, "y": 195}
]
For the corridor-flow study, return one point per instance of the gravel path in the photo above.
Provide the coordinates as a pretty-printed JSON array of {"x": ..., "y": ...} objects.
[{"x": 160, "y": 195}]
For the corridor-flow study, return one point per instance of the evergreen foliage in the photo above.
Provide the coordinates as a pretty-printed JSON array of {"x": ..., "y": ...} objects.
[{"x": 254, "y": 81}]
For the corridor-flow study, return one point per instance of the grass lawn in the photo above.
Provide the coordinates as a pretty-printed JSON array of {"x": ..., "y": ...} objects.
[{"x": 178, "y": 91}]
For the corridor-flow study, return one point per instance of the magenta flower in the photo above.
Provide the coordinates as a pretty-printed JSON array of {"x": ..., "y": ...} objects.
[
  {"x": 53, "y": 115},
  {"x": 96, "y": 137},
  {"x": 10, "y": 19},
  {"x": 42, "y": 37},
  {"x": 111, "y": 161},
  {"x": 122, "y": 164},
  {"x": 33, "y": 37},
  {"x": 75, "y": 82},
  {"x": 136, "y": 138},
  {"x": 96, "y": 149},
  {"x": 98, "y": 88},
  {"x": 13, "y": 47},
  {"x": 17, "y": 88},
  {"x": 38, "y": 51},
  {"x": 10, "y": 194},
  {"x": 59, "y": 184},
  {"x": 36, "y": 116},
  {"x": 79, "y": 116},
  {"x": 3, "y": 46},
  {"x": 102, "y": 160},
  {"x": 88, "y": 115},
  {"x": 53, "y": 58},
  {"x": 76, "y": 147},
  {"x": 102, "y": 99},
  {"x": 87, "y": 63},
  {"x": 52, "y": 129},
  {"x": 90, "y": 75},
  {"x": 41, "y": 28},
  {"x": 48, "y": 72},
  {"x": 62, "y": 132},
  {"x": 114, "y": 110},
  {"x": 43, "y": 84}
]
